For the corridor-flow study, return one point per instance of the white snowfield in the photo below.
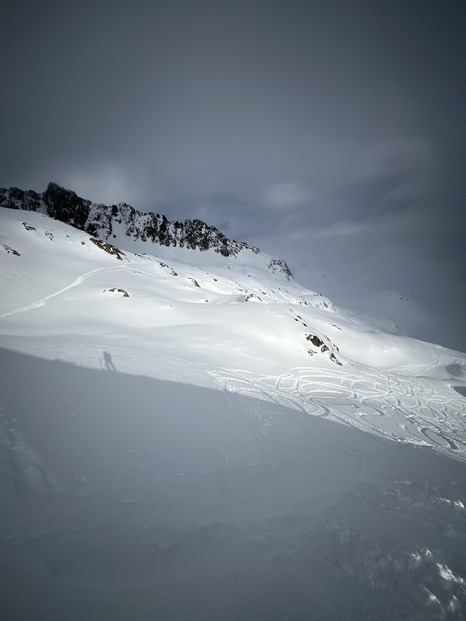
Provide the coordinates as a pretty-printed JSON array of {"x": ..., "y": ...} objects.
[{"x": 186, "y": 436}]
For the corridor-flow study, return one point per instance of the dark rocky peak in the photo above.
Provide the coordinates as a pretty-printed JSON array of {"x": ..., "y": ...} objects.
[
  {"x": 57, "y": 202},
  {"x": 66, "y": 206},
  {"x": 104, "y": 222},
  {"x": 14, "y": 198}
]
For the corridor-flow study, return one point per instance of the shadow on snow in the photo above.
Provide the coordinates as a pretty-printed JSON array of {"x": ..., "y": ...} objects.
[{"x": 128, "y": 497}]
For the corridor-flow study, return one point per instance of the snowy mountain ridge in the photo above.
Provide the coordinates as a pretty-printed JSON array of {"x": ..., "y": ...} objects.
[
  {"x": 188, "y": 435},
  {"x": 104, "y": 222}
]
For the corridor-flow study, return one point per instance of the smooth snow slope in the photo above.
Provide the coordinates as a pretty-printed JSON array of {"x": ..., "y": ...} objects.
[{"x": 174, "y": 443}]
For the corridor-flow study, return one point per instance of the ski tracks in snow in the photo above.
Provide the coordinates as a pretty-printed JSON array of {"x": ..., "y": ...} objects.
[
  {"x": 399, "y": 407},
  {"x": 75, "y": 283}
]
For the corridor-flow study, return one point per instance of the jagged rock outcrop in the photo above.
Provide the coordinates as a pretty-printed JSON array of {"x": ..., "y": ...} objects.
[{"x": 104, "y": 221}]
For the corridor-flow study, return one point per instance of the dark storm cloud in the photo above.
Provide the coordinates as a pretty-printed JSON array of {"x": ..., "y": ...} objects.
[
  {"x": 191, "y": 99},
  {"x": 255, "y": 115}
]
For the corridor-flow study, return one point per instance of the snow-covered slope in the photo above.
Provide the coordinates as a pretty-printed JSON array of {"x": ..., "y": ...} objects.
[
  {"x": 391, "y": 311},
  {"x": 230, "y": 319},
  {"x": 186, "y": 433}
]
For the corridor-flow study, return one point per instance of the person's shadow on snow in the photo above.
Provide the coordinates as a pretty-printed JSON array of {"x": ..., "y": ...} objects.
[{"x": 108, "y": 362}]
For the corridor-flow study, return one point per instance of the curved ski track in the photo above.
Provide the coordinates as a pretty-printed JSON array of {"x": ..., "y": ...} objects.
[
  {"x": 45, "y": 299},
  {"x": 401, "y": 408}
]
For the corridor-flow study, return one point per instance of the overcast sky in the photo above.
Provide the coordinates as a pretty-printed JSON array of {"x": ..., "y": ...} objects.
[{"x": 331, "y": 132}]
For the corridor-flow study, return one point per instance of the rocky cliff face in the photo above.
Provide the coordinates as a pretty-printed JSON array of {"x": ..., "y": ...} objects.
[{"x": 102, "y": 221}]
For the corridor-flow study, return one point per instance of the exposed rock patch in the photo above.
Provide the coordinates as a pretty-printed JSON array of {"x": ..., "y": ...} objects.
[
  {"x": 108, "y": 248},
  {"x": 322, "y": 347},
  {"x": 124, "y": 293},
  {"x": 10, "y": 250}
]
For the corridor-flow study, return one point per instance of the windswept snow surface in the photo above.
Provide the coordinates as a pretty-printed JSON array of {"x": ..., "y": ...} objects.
[{"x": 189, "y": 436}]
